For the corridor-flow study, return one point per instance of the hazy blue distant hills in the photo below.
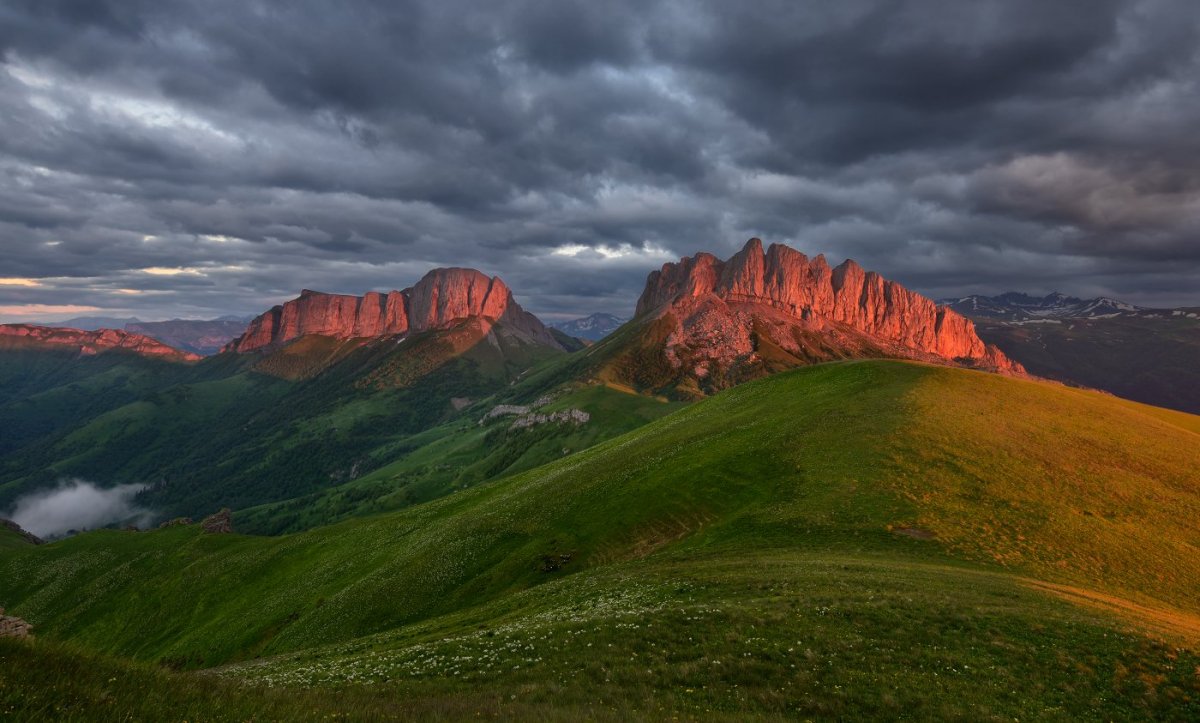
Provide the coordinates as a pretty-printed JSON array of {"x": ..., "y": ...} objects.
[
  {"x": 91, "y": 323},
  {"x": 592, "y": 328},
  {"x": 200, "y": 336},
  {"x": 1148, "y": 355},
  {"x": 1016, "y": 306}
]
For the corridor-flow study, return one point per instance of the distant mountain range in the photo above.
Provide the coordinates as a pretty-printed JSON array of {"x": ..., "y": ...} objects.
[
  {"x": 196, "y": 336},
  {"x": 24, "y": 337},
  {"x": 592, "y": 328},
  {"x": 1015, "y": 306},
  {"x": 1145, "y": 354},
  {"x": 91, "y": 323}
]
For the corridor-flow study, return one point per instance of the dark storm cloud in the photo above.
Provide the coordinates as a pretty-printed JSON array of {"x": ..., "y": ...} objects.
[{"x": 172, "y": 158}]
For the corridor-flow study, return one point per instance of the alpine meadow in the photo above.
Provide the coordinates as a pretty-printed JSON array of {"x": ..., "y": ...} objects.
[{"x": 604, "y": 362}]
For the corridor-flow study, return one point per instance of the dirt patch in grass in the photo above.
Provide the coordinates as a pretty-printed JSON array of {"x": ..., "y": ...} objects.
[{"x": 916, "y": 532}]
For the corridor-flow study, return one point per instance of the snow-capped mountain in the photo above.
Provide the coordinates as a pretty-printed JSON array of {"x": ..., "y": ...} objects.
[
  {"x": 592, "y": 328},
  {"x": 1146, "y": 354},
  {"x": 1015, "y": 306}
]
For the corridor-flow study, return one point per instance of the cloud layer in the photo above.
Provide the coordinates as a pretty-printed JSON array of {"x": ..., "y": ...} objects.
[
  {"x": 78, "y": 505},
  {"x": 184, "y": 158}
]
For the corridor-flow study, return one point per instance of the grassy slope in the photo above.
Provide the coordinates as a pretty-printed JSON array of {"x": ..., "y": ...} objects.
[
  {"x": 43, "y": 390},
  {"x": 460, "y": 454},
  {"x": 44, "y": 680},
  {"x": 10, "y": 540},
  {"x": 769, "y": 636},
  {"x": 50, "y": 395},
  {"x": 218, "y": 434},
  {"x": 746, "y": 534},
  {"x": 226, "y": 433}
]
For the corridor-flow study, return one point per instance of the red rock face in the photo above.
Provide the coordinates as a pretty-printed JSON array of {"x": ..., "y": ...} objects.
[
  {"x": 793, "y": 300},
  {"x": 440, "y": 300},
  {"x": 88, "y": 343}
]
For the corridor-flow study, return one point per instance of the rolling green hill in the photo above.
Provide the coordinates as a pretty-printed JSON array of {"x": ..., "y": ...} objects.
[
  {"x": 43, "y": 390},
  {"x": 12, "y": 539},
  {"x": 461, "y": 453},
  {"x": 870, "y": 538},
  {"x": 243, "y": 430}
]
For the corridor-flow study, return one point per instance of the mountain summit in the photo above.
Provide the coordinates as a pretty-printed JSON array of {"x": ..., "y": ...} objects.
[
  {"x": 440, "y": 300},
  {"x": 88, "y": 343},
  {"x": 593, "y": 328},
  {"x": 720, "y": 322}
]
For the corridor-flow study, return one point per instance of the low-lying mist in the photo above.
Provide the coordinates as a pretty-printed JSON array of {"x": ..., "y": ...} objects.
[{"x": 79, "y": 505}]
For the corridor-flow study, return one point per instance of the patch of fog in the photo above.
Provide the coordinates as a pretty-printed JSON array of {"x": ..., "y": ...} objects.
[{"x": 77, "y": 505}]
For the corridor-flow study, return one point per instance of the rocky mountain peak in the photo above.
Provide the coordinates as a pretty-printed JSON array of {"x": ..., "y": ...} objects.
[
  {"x": 593, "y": 328},
  {"x": 89, "y": 343},
  {"x": 445, "y": 295},
  {"x": 806, "y": 308},
  {"x": 441, "y": 299}
]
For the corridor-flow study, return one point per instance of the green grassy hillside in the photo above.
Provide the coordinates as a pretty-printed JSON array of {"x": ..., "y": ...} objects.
[
  {"x": 462, "y": 453},
  {"x": 43, "y": 390},
  {"x": 44, "y": 680},
  {"x": 870, "y": 538},
  {"x": 770, "y": 637},
  {"x": 12, "y": 540},
  {"x": 242, "y": 430}
]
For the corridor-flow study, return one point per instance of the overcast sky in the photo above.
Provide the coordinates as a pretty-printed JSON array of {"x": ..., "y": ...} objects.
[{"x": 163, "y": 158}]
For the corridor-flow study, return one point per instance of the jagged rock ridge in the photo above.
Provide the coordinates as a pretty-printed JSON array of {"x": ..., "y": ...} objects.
[
  {"x": 716, "y": 315},
  {"x": 440, "y": 300},
  {"x": 89, "y": 343}
]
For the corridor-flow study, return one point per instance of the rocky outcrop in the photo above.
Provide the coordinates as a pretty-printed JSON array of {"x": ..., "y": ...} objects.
[
  {"x": 565, "y": 416},
  {"x": 13, "y": 627},
  {"x": 218, "y": 523},
  {"x": 87, "y": 343},
  {"x": 504, "y": 410},
  {"x": 442, "y": 299},
  {"x": 29, "y": 536},
  {"x": 527, "y": 417},
  {"x": 720, "y": 314}
]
